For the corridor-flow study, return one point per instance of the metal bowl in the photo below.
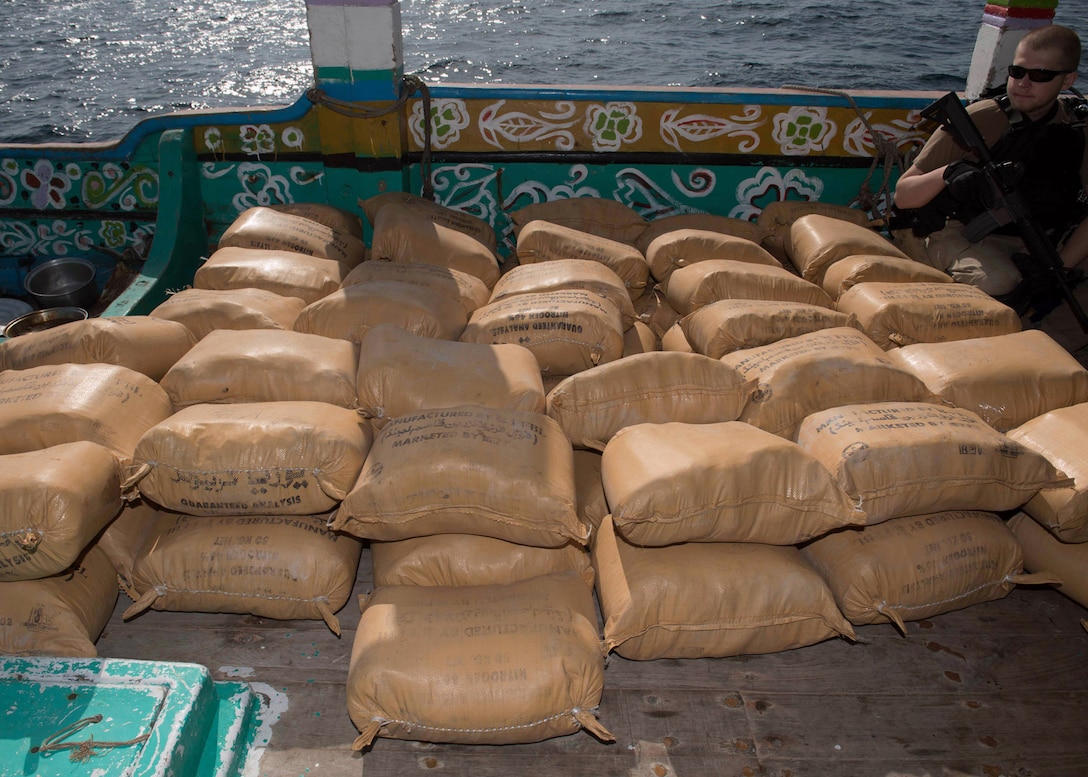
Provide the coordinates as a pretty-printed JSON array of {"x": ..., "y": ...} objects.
[
  {"x": 40, "y": 320},
  {"x": 67, "y": 282}
]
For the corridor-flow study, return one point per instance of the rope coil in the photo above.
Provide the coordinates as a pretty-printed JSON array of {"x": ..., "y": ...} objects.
[{"x": 81, "y": 751}]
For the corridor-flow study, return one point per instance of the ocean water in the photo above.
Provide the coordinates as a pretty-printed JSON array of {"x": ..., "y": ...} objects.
[{"x": 85, "y": 70}]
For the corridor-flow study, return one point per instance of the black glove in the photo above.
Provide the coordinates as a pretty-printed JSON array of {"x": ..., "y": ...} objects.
[{"x": 967, "y": 183}]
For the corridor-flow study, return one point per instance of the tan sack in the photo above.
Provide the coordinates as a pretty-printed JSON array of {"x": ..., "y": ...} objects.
[
  {"x": 53, "y": 502},
  {"x": 567, "y": 331},
  {"x": 912, "y": 568},
  {"x": 332, "y": 217},
  {"x": 61, "y": 615},
  {"x": 264, "y": 365},
  {"x": 599, "y": 216},
  {"x": 909, "y": 458},
  {"x": 736, "y": 324},
  {"x": 146, "y": 345},
  {"x": 265, "y": 228},
  {"x": 897, "y": 314},
  {"x": 675, "y": 340},
  {"x": 125, "y": 537},
  {"x": 563, "y": 274},
  {"x": 435, "y": 212},
  {"x": 589, "y": 489},
  {"x": 654, "y": 310},
  {"x": 402, "y": 235},
  {"x": 491, "y": 664},
  {"x": 696, "y": 285},
  {"x": 468, "y": 559},
  {"x": 849, "y": 271},
  {"x": 112, "y": 406},
  {"x": 544, "y": 241},
  {"x": 401, "y": 373},
  {"x": 777, "y": 218},
  {"x": 469, "y": 290},
  {"x": 710, "y": 599},
  {"x": 727, "y": 482},
  {"x": 282, "y": 272},
  {"x": 1044, "y": 553},
  {"x": 347, "y": 314},
  {"x": 1060, "y": 436},
  {"x": 592, "y": 406},
  {"x": 272, "y": 566},
  {"x": 817, "y": 371},
  {"x": 685, "y": 247},
  {"x": 206, "y": 310},
  {"x": 817, "y": 242},
  {"x": 507, "y": 474},
  {"x": 1006, "y": 379},
  {"x": 706, "y": 222},
  {"x": 640, "y": 338},
  {"x": 290, "y": 458}
]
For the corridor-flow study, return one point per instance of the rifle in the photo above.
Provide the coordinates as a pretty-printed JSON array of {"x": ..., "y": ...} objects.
[{"x": 1009, "y": 206}]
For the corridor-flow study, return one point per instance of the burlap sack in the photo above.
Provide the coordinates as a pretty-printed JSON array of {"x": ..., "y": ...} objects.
[
  {"x": 401, "y": 373},
  {"x": 468, "y": 559},
  {"x": 685, "y": 247},
  {"x": 264, "y": 365},
  {"x": 912, "y": 568},
  {"x": 605, "y": 218},
  {"x": 272, "y": 566},
  {"x": 285, "y": 273},
  {"x": 493, "y": 664},
  {"x": 659, "y": 387},
  {"x": 206, "y": 310},
  {"x": 257, "y": 458},
  {"x": 146, "y": 345},
  {"x": 588, "y": 488},
  {"x": 124, "y": 539},
  {"x": 265, "y": 228},
  {"x": 347, "y": 314},
  {"x": 112, "y": 406},
  {"x": 1045, "y": 554},
  {"x": 1006, "y": 379},
  {"x": 707, "y": 222},
  {"x": 710, "y": 600},
  {"x": 332, "y": 217},
  {"x": 696, "y": 285},
  {"x": 61, "y": 615},
  {"x": 736, "y": 324},
  {"x": 676, "y": 341},
  {"x": 897, "y": 314},
  {"x": 910, "y": 458},
  {"x": 545, "y": 241},
  {"x": 817, "y": 242},
  {"x": 403, "y": 235},
  {"x": 1060, "y": 436},
  {"x": 640, "y": 338},
  {"x": 777, "y": 218},
  {"x": 52, "y": 504},
  {"x": 469, "y": 290},
  {"x": 726, "y": 482},
  {"x": 564, "y": 274},
  {"x": 459, "y": 220},
  {"x": 654, "y": 310},
  {"x": 507, "y": 474},
  {"x": 813, "y": 372},
  {"x": 869, "y": 268},
  {"x": 567, "y": 331}
]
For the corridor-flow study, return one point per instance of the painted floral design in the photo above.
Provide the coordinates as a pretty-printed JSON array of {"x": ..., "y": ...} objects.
[
  {"x": 131, "y": 189},
  {"x": 701, "y": 127},
  {"x": 448, "y": 118},
  {"x": 613, "y": 124},
  {"x": 770, "y": 184},
  {"x": 857, "y": 139},
  {"x": 518, "y": 127},
  {"x": 802, "y": 130},
  {"x": 467, "y": 188},
  {"x": 213, "y": 139},
  {"x": 48, "y": 185},
  {"x": 293, "y": 137},
  {"x": 257, "y": 139},
  {"x": 260, "y": 186},
  {"x": 9, "y": 172}
]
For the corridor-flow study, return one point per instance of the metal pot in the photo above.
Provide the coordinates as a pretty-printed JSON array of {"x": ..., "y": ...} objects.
[
  {"x": 40, "y": 320},
  {"x": 67, "y": 282}
]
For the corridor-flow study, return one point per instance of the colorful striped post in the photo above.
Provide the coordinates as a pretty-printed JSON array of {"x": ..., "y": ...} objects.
[
  {"x": 356, "y": 48},
  {"x": 1004, "y": 23}
]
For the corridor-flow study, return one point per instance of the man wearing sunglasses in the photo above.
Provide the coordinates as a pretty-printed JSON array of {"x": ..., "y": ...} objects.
[{"x": 1038, "y": 141}]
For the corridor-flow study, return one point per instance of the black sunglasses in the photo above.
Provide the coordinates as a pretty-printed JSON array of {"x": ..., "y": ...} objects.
[{"x": 1038, "y": 75}]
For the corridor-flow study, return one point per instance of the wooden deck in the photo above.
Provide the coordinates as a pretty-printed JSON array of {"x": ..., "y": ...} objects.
[{"x": 999, "y": 689}]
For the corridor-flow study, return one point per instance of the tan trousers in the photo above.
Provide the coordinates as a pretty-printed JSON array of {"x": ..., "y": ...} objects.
[{"x": 986, "y": 264}]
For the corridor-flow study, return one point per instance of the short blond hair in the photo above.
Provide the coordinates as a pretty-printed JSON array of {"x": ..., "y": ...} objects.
[{"x": 1056, "y": 38}]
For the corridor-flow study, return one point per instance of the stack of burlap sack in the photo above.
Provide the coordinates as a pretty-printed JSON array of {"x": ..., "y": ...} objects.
[{"x": 745, "y": 437}]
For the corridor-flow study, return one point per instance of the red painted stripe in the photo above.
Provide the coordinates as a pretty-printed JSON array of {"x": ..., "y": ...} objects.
[{"x": 1019, "y": 13}]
